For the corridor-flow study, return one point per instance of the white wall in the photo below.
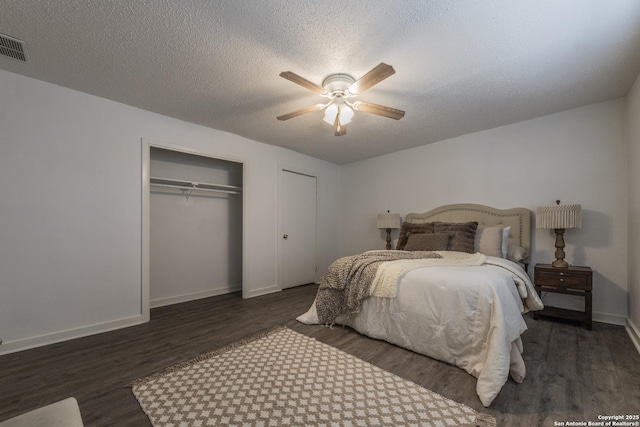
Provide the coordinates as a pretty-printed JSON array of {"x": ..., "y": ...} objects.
[
  {"x": 576, "y": 156},
  {"x": 633, "y": 155},
  {"x": 70, "y": 211}
]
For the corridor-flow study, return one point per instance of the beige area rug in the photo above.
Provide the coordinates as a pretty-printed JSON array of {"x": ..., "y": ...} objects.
[{"x": 284, "y": 378}]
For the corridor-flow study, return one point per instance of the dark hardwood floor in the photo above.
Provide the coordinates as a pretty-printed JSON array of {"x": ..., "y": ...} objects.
[{"x": 573, "y": 374}]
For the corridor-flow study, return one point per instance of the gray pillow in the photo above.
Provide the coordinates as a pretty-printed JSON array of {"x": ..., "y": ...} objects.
[
  {"x": 409, "y": 228},
  {"x": 427, "y": 242},
  {"x": 463, "y": 235}
]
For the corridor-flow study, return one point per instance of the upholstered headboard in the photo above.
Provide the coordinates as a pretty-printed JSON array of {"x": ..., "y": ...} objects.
[{"x": 518, "y": 218}]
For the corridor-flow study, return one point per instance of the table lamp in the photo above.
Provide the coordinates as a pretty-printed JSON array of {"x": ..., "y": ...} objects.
[
  {"x": 388, "y": 222},
  {"x": 559, "y": 217}
]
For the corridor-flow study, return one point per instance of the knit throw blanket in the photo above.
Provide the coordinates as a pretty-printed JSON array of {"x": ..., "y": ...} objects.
[{"x": 348, "y": 282}]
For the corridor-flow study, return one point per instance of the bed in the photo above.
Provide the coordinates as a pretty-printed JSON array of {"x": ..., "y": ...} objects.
[{"x": 462, "y": 305}]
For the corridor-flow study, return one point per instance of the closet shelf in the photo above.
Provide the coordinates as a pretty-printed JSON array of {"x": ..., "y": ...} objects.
[{"x": 190, "y": 186}]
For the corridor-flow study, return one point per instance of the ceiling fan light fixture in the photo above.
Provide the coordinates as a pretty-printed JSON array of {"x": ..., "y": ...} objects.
[
  {"x": 330, "y": 114},
  {"x": 344, "y": 113}
]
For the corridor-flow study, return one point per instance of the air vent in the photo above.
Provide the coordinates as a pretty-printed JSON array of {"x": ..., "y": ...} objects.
[{"x": 13, "y": 48}]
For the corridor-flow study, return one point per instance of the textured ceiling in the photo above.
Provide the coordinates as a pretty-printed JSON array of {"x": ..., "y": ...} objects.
[{"x": 461, "y": 66}]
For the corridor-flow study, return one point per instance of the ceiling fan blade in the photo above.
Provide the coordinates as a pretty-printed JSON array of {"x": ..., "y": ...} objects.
[
  {"x": 380, "y": 110},
  {"x": 373, "y": 77},
  {"x": 300, "y": 112},
  {"x": 338, "y": 129},
  {"x": 291, "y": 76}
]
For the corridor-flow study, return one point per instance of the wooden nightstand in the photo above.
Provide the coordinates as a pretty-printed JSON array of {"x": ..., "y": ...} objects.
[{"x": 570, "y": 281}]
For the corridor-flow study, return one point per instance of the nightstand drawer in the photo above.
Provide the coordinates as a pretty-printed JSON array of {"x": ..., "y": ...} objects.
[{"x": 563, "y": 279}]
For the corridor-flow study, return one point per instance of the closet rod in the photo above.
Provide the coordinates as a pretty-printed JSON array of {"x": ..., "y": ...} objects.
[
  {"x": 200, "y": 186},
  {"x": 183, "y": 187}
]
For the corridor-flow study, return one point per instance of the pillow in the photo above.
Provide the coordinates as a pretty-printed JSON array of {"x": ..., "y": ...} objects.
[
  {"x": 516, "y": 253},
  {"x": 490, "y": 241},
  {"x": 505, "y": 240},
  {"x": 427, "y": 242},
  {"x": 409, "y": 228},
  {"x": 463, "y": 235}
]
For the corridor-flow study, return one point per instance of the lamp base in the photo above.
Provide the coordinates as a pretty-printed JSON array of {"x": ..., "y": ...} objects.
[
  {"x": 388, "y": 238},
  {"x": 559, "y": 262}
]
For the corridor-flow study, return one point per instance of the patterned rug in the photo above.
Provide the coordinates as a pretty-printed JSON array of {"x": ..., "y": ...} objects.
[{"x": 284, "y": 378}]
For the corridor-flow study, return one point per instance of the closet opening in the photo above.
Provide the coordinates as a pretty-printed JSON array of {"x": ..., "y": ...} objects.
[{"x": 192, "y": 226}]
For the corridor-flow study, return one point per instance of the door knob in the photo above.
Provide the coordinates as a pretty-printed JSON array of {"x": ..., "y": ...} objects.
[{"x": 285, "y": 236}]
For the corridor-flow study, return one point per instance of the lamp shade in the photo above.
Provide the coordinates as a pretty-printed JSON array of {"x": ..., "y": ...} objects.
[
  {"x": 559, "y": 216},
  {"x": 388, "y": 220}
]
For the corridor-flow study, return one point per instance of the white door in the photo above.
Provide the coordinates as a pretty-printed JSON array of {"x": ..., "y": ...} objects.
[{"x": 297, "y": 226}]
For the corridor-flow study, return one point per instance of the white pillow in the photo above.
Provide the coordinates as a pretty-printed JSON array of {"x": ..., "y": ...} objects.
[
  {"x": 505, "y": 241},
  {"x": 516, "y": 253},
  {"x": 489, "y": 241}
]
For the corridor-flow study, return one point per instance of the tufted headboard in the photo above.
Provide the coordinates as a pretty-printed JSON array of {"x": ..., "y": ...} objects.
[{"x": 518, "y": 218}]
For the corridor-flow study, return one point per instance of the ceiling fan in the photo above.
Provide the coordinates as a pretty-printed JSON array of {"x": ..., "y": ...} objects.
[{"x": 340, "y": 89}]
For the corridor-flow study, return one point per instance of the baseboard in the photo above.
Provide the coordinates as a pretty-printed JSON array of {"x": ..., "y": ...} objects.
[
  {"x": 250, "y": 293},
  {"x": 577, "y": 303},
  {"x": 161, "y": 302},
  {"x": 612, "y": 319},
  {"x": 634, "y": 334},
  {"x": 56, "y": 337}
]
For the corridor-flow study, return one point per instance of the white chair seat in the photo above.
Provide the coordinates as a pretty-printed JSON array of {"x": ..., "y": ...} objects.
[{"x": 64, "y": 413}]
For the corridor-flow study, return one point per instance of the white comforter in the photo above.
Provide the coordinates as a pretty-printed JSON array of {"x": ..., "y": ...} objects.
[{"x": 469, "y": 316}]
